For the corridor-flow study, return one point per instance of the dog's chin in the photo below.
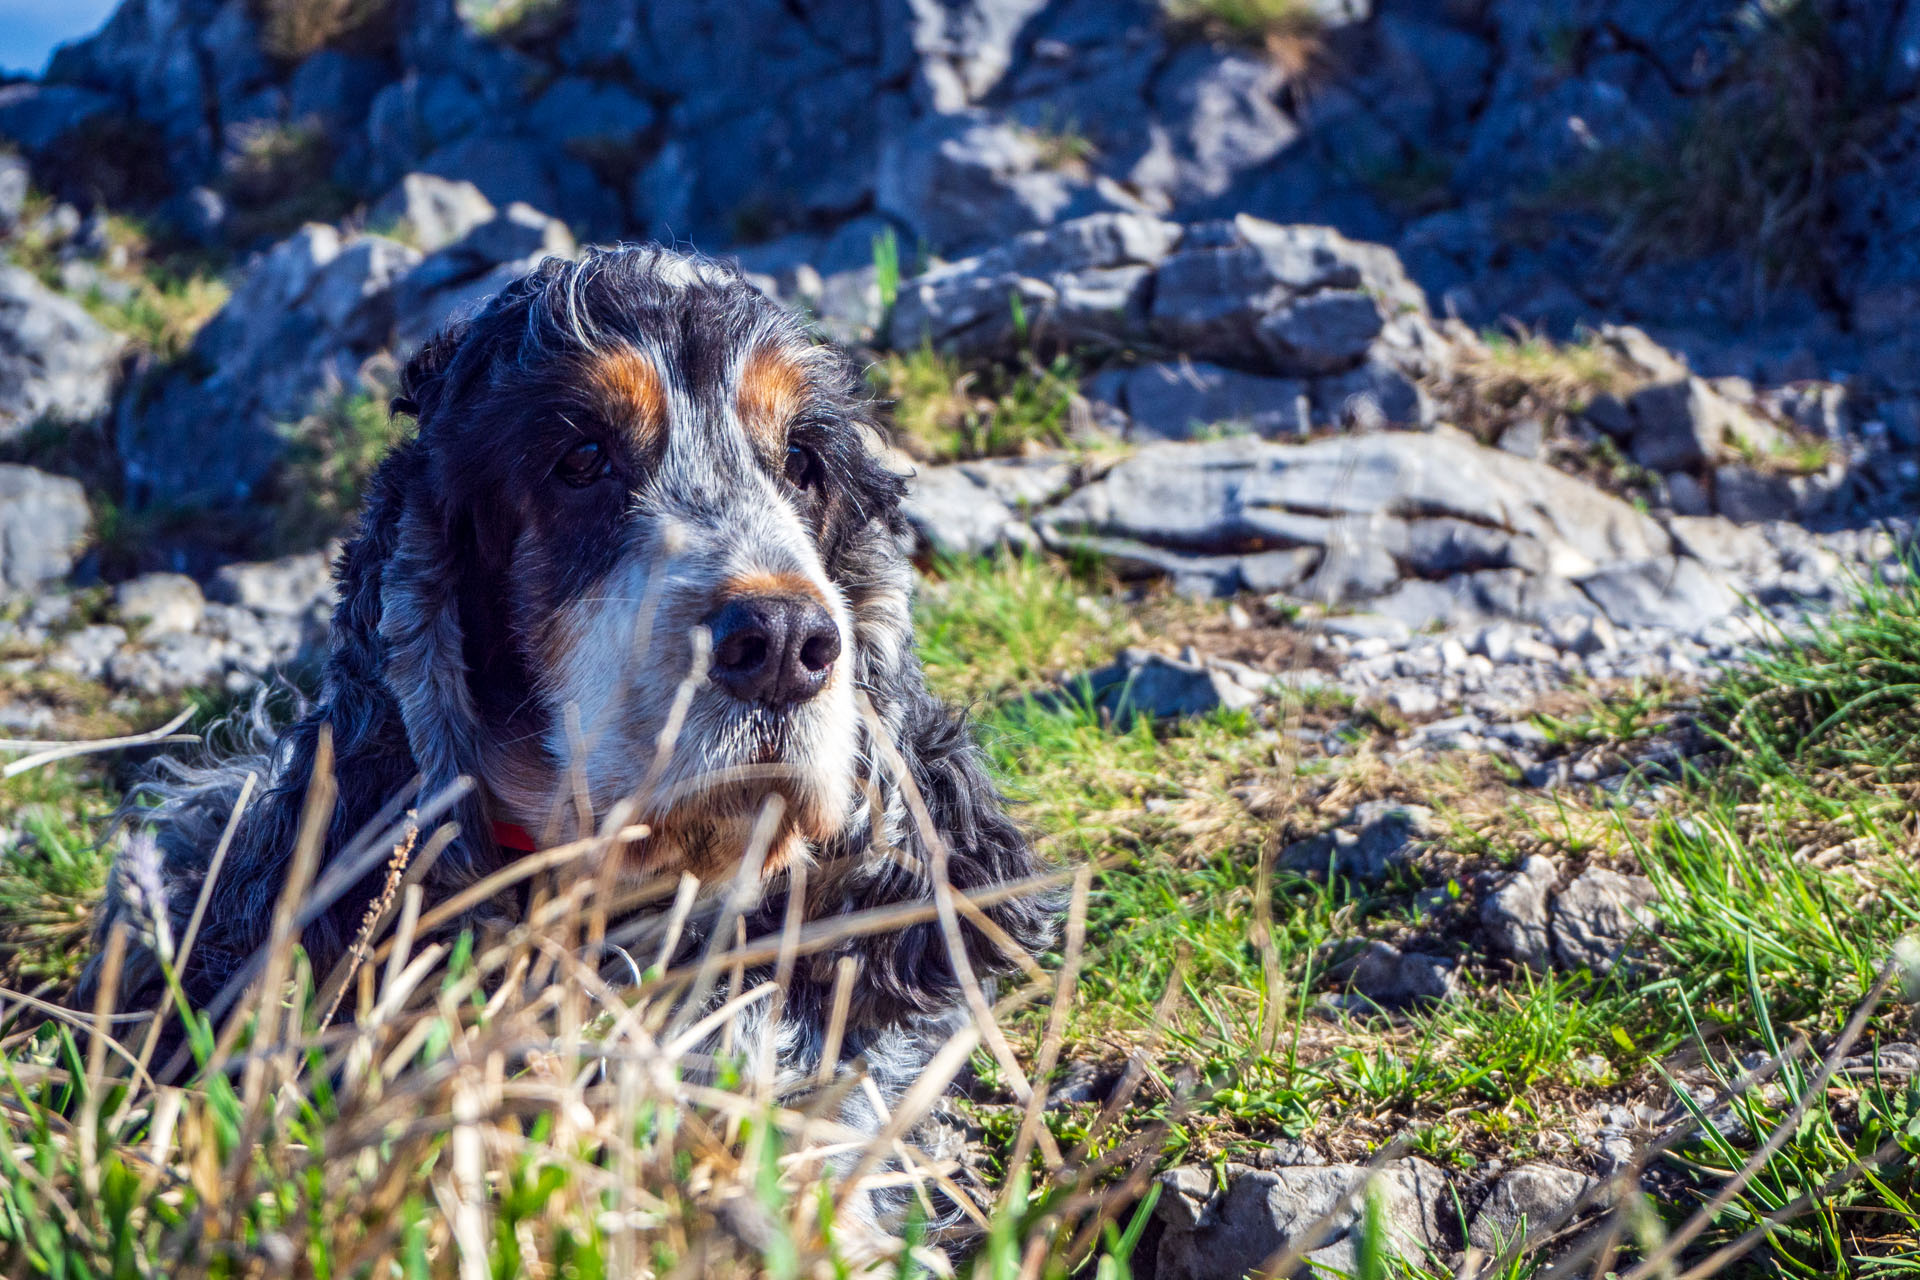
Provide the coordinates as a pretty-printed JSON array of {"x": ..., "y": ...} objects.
[{"x": 764, "y": 793}]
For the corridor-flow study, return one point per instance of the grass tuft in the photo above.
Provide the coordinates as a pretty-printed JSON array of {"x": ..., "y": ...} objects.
[
  {"x": 330, "y": 455},
  {"x": 943, "y": 412},
  {"x": 1010, "y": 625},
  {"x": 1252, "y": 22},
  {"x": 508, "y": 19},
  {"x": 1509, "y": 371},
  {"x": 1754, "y": 160},
  {"x": 280, "y": 177},
  {"x": 292, "y": 30}
]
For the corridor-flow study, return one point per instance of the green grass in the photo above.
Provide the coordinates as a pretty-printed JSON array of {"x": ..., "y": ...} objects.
[
  {"x": 169, "y": 292},
  {"x": 1248, "y": 21},
  {"x": 886, "y": 268},
  {"x": 500, "y": 19},
  {"x": 330, "y": 455},
  {"x": 165, "y": 309},
  {"x": 1754, "y": 162},
  {"x": 1784, "y": 860},
  {"x": 996, "y": 626},
  {"x": 54, "y": 870},
  {"x": 1062, "y": 144},
  {"x": 1759, "y": 940},
  {"x": 943, "y": 412},
  {"x": 292, "y": 30},
  {"x": 1565, "y": 373}
]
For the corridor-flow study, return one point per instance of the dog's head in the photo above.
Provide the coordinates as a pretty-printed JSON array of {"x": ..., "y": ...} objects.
[{"x": 641, "y": 547}]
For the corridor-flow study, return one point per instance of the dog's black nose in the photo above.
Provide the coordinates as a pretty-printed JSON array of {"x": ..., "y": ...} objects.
[{"x": 773, "y": 649}]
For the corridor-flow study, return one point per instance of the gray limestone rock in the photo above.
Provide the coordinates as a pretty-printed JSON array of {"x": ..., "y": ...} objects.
[
  {"x": 1525, "y": 1200},
  {"x": 1595, "y": 917},
  {"x": 1514, "y": 913},
  {"x": 1680, "y": 593},
  {"x": 431, "y": 212},
  {"x": 1375, "y": 839},
  {"x": 1211, "y": 1234},
  {"x": 43, "y": 524},
  {"x": 56, "y": 361},
  {"x": 160, "y": 602},
  {"x": 1143, "y": 683},
  {"x": 290, "y": 586}
]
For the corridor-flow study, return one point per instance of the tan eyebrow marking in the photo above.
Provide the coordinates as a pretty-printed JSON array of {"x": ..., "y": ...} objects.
[
  {"x": 773, "y": 387},
  {"x": 631, "y": 396}
]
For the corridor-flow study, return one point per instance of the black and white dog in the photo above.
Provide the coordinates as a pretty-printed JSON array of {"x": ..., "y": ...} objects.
[{"x": 642, "y": 505}]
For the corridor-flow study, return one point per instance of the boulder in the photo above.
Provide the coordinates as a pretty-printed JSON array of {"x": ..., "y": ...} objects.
[
  {"x": 1483, "y": 596},
  {"x": 1216, "y": 116},
  {"x": 160, "y": 602},
  {"x": 964, "y": 180},
  {"x": 1514, "y": 913},
  {"x": 1368, "y": 498},
  {"x": 43, "y": 525},
  {"x": 1207, "y": 1234},
  {"x": 1256, "y": 296},
  {"x": 1525, "y": 1201},
  {"x": 1688, "y": 424},
  {"x": 56, "y": 361},
  {"x": 1083, "y": 282},
  {"x": 1378, "y": 393},
  {"x": 972, "y": 507},
  {"x": 254, "y": 643},
  {"x": 1285, "y": 300},
  {"x": 84, "y": 654},
  {"x": 594, "y": 119},
  {"x": 430, "y": 212},
  {"x": 1736, "y": 549},
  {"x": 1678, "y": 593},
  {"x": 1193, "y": 575},
  {"x": 308, "y": 314},
  {"x": 1375, "y": 839},
  {"x": 36, "y": 116},
  {"x": 290, "y": 586},
  {"x": 170, "y": 662},
  {"x": 460, "y": 276},
  {"x": 335, "y": 89},
  {"x": 1189, "y": 399},
  {"x": 1595, "y": 917},
  {"x": 1143, "y": 683},
  {"x": 1383, "y": 977},
  {"x": 1753, "y": 495}
]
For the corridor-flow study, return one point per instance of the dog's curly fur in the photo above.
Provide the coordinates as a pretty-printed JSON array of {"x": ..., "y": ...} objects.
[{"x": 493, "y": 585}]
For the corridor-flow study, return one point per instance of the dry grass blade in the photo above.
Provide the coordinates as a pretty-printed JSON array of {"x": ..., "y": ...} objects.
[{"x": 68, "y": 750}]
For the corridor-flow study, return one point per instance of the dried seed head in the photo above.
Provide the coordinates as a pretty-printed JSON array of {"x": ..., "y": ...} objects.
[{"x": 146, "y": 892}]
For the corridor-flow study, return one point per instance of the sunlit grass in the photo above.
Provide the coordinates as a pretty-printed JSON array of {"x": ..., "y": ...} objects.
[{"x": 943, "y": 411}]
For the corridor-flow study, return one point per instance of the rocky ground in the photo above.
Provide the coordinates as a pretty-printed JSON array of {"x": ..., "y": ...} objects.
[{"x": 1351, "y": 445}]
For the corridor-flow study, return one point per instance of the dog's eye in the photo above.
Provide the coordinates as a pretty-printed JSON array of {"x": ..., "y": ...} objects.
[
  {"x": 583, "y": 464},
  {"x": 803, "y": 467}
]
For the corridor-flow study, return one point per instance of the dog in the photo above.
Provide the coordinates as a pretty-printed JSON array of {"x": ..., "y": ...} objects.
[{"x": 640, "y": 548}]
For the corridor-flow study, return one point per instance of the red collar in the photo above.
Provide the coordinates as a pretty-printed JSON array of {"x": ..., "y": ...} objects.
[{"x": 510, "y": 835}]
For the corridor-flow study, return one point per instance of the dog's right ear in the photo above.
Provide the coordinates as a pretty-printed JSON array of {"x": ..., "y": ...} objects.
[{"x": 424, "y": 378}]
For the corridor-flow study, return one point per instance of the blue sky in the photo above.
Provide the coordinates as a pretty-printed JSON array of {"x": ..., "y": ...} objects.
[{"x": 29, "y": 29}]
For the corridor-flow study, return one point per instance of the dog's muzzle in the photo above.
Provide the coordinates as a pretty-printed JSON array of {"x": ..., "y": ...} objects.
[{"x": 777, "y": 651}]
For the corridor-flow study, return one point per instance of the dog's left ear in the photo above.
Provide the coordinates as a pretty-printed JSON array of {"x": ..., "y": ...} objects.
[{"x": 910, "y": 969}]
